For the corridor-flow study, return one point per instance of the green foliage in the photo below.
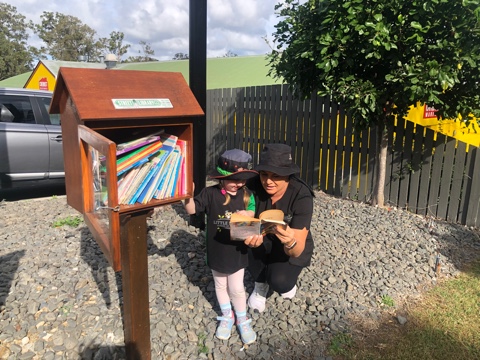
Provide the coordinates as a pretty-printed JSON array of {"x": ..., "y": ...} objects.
[
  {"x": 379, "y": 57},
  {"x": 147, "y": 53},
  {"x": 65, "y": 310},
  {"x": 16, "y": 55},
  {"x": 114, "y": 44},
  {"x": 340, "y": 344},
  {"x": 230, "y": 53},
  {"x": 72, "y": 221},
  {"x": 387, "y": 300},
  {"x": 443, "y": 324},
  {"x": 66, "y": 37},
  {"x": 202, "y": 348},
  {"x": 180, "y": 56}
]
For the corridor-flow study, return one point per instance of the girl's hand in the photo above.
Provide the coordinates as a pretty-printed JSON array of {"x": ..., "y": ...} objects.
[
  {"x": 254, "y": 241},
  {"x": 245, "y": 213},
  {"x": 189, "y": 204}
]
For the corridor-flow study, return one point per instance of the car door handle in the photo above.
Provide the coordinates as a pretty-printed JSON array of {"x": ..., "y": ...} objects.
[{"x": 57, "y": 138}]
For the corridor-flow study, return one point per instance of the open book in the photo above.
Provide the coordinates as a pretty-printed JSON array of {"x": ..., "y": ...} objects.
[{"x": 242, "y": 226}]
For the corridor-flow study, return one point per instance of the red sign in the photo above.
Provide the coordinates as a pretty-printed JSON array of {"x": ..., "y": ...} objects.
[
  {"x": 429, "y": 112},
  {"x": 43, "y": 84}
]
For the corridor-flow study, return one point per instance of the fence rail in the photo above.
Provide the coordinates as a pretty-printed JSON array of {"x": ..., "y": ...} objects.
[{"x": 428, "y": 173}]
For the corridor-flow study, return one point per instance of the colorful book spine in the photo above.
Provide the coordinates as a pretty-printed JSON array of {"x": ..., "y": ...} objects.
[
  {"x": 124, "y": 163},
  {"x": 174, "y": 182},
  {"x": 147, "y": 192},
  {"x": 149, "y": 189},
  {"x": 126, "y": 182},
  {"x": 155, "y": 182},
  {"x": 135, "y": 182},
  {"x": 167, "y": 172},
  {"x": 132, "y": 145},
  {"x": 152, "y": 171},
  {"x": 181, "y": 189},
  {"x": 183, "y": 178},
  {"x": 133, "y": 166},
  {"x": 168, "y": 139},
  {"x": 171, "y": 177}
]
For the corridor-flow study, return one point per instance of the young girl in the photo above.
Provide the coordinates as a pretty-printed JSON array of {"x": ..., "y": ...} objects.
[{"x": 227, "y": 258}]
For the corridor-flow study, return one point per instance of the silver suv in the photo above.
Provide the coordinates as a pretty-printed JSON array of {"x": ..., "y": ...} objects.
[{"x": 30, "y": 139}]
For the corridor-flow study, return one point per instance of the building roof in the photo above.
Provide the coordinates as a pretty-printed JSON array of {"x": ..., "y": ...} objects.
[
  {"x": 227, "y": 72},
  {"x": 16, "y": 81},
  {"x": 96, "y": 92},
  {"x": 54, "y": 65}
]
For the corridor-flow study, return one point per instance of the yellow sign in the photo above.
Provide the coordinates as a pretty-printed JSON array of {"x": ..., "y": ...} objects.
[
  {"x": 41, "y": 79},
  {"x": 425, "y": 115}
]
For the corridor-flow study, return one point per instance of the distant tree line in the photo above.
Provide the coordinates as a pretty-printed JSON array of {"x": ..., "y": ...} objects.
[
  {"x": 182, "y": 56},
  {"x": 64, "y": 37}
]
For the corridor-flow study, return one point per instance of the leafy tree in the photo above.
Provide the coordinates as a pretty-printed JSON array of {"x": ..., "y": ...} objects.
[
  {"x": 147, "y": 51},
  {"x": 379, "y": 57},
  {"x": 16, "y": 54},
  {"x": 180, "y": 56},
  {"x": 66, "y": 37},
  {"x": 114, "y": 44},
  {"x": 230, "y": 54}
]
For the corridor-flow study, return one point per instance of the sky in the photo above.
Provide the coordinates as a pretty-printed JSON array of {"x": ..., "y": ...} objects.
[{"x": 238, "y": 26}]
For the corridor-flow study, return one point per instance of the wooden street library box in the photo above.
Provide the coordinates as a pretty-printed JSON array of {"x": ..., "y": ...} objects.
[{"x": 127, "y": 144}]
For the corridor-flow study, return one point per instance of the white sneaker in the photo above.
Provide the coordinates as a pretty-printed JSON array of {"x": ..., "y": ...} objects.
[
  {"x": 290, "y": 294},
  {"x": 258, "y": 298}
]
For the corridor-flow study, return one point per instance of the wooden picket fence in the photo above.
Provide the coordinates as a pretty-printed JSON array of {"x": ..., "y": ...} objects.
[{"x": 428, "y": 173}]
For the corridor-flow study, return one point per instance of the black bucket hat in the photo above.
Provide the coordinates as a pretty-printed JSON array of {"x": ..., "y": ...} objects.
[
  {"x": 234, "y": 164},
  {"x": 277, "y": 158}
]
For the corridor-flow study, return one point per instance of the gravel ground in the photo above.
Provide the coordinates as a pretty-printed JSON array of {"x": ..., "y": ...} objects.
[{"x": 59, "y": 299}]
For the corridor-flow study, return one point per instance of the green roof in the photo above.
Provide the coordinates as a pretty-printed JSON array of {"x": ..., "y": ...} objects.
[
  {"x": 15, "y": 81},
  {"x": 227, "y": 72},
  {"x": 54, "y": 66}
]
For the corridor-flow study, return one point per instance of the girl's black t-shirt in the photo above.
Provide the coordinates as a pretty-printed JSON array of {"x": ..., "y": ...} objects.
[{"x": 223, "y": 255}]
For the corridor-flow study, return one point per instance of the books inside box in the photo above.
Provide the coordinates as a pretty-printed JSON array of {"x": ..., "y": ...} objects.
[
  {"x": 151, "y": 167},
  {"x": 158, "y": 169}
]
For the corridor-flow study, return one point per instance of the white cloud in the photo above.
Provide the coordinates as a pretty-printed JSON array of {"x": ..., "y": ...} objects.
[
  {"x": 248, "y": 16},
  {"x": 233, "y": 25}
]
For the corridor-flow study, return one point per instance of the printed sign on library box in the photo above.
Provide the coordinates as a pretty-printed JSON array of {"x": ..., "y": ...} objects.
[{"x": 142, "y": 103}]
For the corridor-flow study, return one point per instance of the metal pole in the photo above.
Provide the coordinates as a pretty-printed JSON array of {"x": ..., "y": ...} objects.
[{"x": 198, "y": 85}]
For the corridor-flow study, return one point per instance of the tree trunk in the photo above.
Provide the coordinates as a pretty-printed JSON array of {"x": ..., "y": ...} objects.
[{"x": 380, "y": 164}]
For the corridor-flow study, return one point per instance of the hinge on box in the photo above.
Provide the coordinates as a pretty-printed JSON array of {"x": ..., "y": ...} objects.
[{"x": 116, "y": 208}]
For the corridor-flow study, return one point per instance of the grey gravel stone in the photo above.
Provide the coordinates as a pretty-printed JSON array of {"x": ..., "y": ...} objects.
[
  {"x": 401, "y": 320},
  {"x": 60, "y": 299}
]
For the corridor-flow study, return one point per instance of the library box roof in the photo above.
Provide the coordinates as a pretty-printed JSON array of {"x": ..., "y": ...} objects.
[
  {"x": 100, "y": 94},
  {"x": 100, "y": 109}
]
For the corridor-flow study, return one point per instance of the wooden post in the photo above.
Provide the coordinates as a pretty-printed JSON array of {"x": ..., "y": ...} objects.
[
  {"x": 94, "y": 123},
  {"x": 136, "y": 317}
]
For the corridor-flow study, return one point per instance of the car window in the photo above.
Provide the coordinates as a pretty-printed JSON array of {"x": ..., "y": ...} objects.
[
  {"x": 54, "y": 118},
  {"x": 16, "y": 109}
]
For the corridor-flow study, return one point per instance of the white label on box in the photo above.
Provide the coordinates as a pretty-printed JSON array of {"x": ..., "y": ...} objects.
[{"x": 142, "y": 103}]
